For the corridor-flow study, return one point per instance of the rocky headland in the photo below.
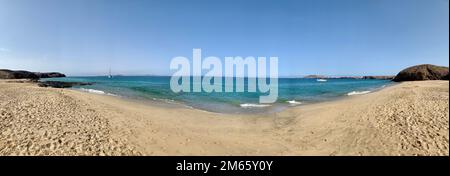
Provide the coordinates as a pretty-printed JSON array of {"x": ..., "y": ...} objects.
[
  {"x": 21, "y": 74},
  {"x": 422, "y": 72}
]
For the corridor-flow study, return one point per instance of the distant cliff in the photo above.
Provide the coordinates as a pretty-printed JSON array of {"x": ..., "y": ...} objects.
[
  {"x": 349, "y": 77},
  {"x": 315, "y": 76},
  {"x": 20, "y": 74},
  {"x": 378, "y": 77}
]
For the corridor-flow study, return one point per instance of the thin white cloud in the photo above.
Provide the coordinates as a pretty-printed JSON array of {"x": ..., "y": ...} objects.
[{"x": 4, "y": 50}]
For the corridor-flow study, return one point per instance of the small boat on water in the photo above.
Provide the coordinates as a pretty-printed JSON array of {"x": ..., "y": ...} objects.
[
  {"x": 321, "y": 80},
  {"x": 110, "y": 75}
]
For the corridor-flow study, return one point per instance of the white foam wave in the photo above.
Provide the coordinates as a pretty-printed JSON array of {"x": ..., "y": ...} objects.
[
  {"x": 165, "y": 100},
  {"x": 99, "y": 92},
  {"x": 249, "y": 105},
  {"x": 358, "y": 93},
  {"x": 293, "y": 102},
  {"x": 93, "y": 91}
]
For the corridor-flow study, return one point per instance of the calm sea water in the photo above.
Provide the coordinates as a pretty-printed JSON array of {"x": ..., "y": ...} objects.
[{"x": 292, "y": 92}]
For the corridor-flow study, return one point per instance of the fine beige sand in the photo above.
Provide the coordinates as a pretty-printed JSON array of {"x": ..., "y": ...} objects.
[{"x": 410, "y": 118}]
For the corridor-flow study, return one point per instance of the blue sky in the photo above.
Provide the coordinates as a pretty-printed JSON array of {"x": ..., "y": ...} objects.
[{"x": 331, "y": 37}]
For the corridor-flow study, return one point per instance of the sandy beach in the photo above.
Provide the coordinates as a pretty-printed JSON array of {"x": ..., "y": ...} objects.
[{"x": 409, "y": 118}]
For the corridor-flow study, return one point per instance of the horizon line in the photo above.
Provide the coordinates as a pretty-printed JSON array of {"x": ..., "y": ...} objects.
[{"x": 328, "y": 76}]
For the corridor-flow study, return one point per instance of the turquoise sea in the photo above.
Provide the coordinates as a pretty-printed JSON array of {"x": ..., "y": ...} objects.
[{"x": 291, "y": 92}]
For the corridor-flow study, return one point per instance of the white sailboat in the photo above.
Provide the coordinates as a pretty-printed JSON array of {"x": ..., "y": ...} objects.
[
  {"x": 110, "y": 75},
  {"x": 321, "y": 80}
]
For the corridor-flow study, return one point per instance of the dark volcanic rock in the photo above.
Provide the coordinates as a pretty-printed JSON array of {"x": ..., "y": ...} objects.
[
  {"x": 50, "y": 75},
  {"x": 10, "y": 74},
  {"x": 422, "y": 72},
  {"x": 60, "y": 84}
]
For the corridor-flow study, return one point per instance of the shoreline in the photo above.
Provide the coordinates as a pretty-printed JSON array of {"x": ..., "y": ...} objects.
[
  {"x": 357, "y": 125},
  {"x": 271, "y": 108}
]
